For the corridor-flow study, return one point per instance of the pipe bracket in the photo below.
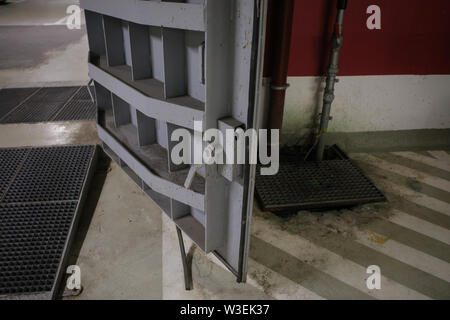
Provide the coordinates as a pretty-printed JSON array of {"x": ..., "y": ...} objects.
[{"x": 280, "y": 88}]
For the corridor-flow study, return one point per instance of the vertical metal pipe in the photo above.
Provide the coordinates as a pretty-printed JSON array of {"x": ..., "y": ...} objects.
[
  {"x": 333, "y": 69},
  {"x": 282, "y": 30}
]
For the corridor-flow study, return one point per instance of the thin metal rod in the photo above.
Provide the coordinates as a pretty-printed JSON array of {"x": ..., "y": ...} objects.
[
  {"x": 89, "y": 90},
  {"x": 328, "y": 97},
  {"x": 186, "y": 270}
]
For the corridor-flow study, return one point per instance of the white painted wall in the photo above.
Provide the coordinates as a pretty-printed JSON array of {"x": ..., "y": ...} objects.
[{"x": 369, "y": 103}]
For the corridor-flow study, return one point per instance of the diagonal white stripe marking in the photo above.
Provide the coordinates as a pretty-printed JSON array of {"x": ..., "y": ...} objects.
[
  {"x": 440, "y": 155},
  {"x": 329, "y": 262},
  {"x": 414, "y": 196},
  {"x": 280, "y": 287},
  {"x": 405, "y": 254},
  {"x": 276, "y": 285},
  {"x": 404, "y": 171},
  {"x": 421, "y": 226},
  {"x": 425, "y": 160}
]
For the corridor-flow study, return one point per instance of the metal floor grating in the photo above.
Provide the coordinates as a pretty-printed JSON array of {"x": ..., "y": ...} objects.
[
  {"x": 38, "y": 213},
  {"x": 83, "y": 94},
  {"x": 77, "y": 110},
  {"x": 10, "y": 160},
  {"x": 309, "y": 185},
  {"x": 11, "y": 98},
  {"x": 54, "y": 94},
  {"x": 30, "y": 105},
  {"x": 32, "y": 242},
  {"x": 33, "y": 111},
  {"x": 50, "y": 174}
]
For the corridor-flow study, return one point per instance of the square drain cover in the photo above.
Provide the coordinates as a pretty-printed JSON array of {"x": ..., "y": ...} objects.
[{"x": 315, "y": 185}]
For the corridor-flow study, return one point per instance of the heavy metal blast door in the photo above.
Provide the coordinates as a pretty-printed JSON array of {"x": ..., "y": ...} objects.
[{"x": 162, "y": 65}]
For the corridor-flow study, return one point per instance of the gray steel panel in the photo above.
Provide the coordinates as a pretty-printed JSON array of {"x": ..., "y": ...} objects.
[
  {"x": 204, "y": 76},
  {"x": 146, "y": 128},
  {"x": 94, "y": 28},
  {"x": 167, "y": 14},
  {"x": 156, "y": 183},
  {"x": 126, "y": 42},
  {"x": 174, "y": 63},
  {"x": 178, "y": 209},
  {"x": 161, "y": 134},
  {"x": 162, "y": 201},
  {"x": 131, "y": 173},
  {"x": 133, "y": 115},
  {"x": 255, "y": 120},
  {"x": 149, "y": 86},
  {"x": 154, "y": 108},
  {"x": 157, "y": 54},
  {"x": 230, "y": 62},
  {"x": 195, "y": 64},
  {"x": 103, "y": 97},
  {"x": 140, "y": 51},
  {"x": 193, "y": 229},
  {"x": 218, "y": 86},
  {"x": 115, "y": 51},
  {"x": 121, "y": 111},
  {"x": 153, "y": 156}
]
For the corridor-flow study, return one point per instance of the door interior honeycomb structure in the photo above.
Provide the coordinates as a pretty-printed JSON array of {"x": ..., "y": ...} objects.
[{"x": 162, "y": 65}]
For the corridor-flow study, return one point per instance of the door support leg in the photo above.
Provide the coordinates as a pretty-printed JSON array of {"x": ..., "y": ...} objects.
[{"x": 186, "y": 270}]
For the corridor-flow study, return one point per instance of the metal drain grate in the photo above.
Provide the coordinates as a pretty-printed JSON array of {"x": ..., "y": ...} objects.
[
  {"x": 38, "y": 215},
  {"x": 33, "y": 111},
  {"x": 54, "y": 94},
  {"x": 309, "y": 185},
  {"x": 46, "y": 104},
  {"x": 77, "y": 110},
  {"x": 83, "y": 94},
  {"x": 11, "y": 98},
  {"x": 32, "y": 242},
  {"x": 51, "y": 174},
  {"x": 10, "y": 160}
]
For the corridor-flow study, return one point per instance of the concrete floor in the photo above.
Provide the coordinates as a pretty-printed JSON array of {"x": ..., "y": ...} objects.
[
  {"x": 127, "y": 248},
  {"x": 48, "y": 53}
]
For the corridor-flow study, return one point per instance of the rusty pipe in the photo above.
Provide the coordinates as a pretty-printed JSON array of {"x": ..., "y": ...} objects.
[
  {"x": 281, "y": 30},
  {"x": 333, "y": 69}
]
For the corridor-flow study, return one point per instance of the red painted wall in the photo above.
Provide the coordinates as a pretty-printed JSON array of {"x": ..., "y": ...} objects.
[{"x": 414, "y": 39}]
